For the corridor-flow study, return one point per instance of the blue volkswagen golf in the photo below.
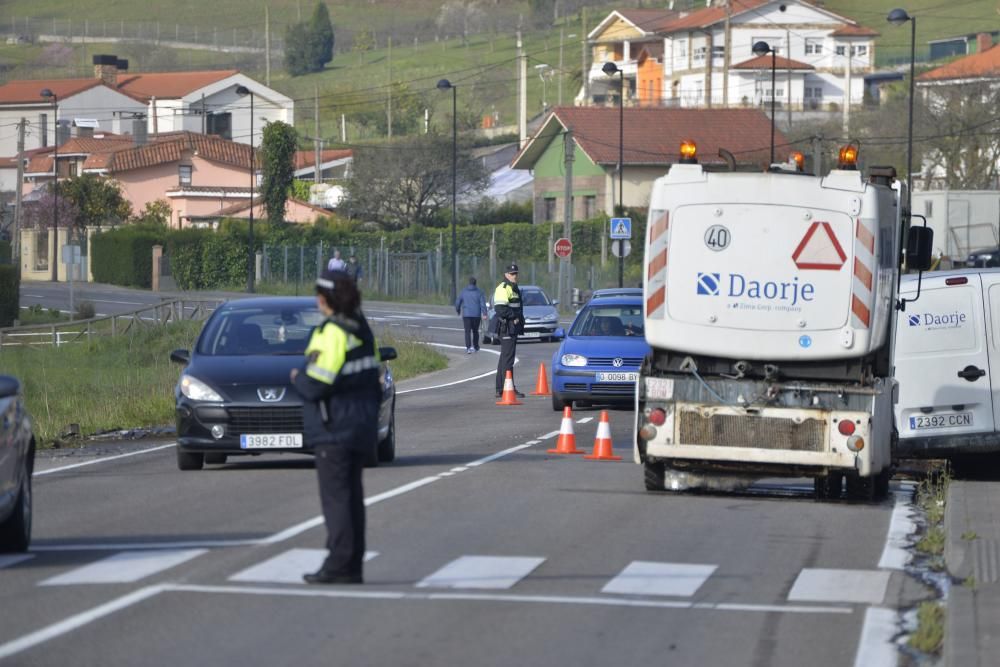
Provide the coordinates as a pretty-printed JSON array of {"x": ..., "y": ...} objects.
[{"x": 599, "y": 360}]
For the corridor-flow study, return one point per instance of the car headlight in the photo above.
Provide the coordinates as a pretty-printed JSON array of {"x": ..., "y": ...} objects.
[
  {"x": 985, "y": 258},
  {"x": 551, "y": 317},
  {"x": 573, "y": 360},
  {"x": 197, "y": 390}
]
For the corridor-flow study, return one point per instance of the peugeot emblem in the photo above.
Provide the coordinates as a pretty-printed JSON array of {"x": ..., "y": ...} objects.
[
  {"x": 271, "y": 394},
  {"x": 617, "y": 362}
]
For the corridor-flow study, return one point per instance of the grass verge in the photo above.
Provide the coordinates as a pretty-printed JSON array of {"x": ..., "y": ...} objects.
[
  {"x": 128, "y": 381},
  {"x": 931, "y": 495},
  {"x": 929, "y": 635}
]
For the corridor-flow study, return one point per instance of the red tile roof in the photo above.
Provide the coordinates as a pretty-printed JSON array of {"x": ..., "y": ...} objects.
[
  {"x": 711, "y": 15},
  {"x": 652, "y": 136},
  {"x": 88, "y": 145},
  {"x": 169, "y": 85},
  {"x": 170, "y": 148},
  {"x": 855, "y": 31},
  {"x": 30, "y": 91},
  {"x": 985, "y": 64},
  {"x": 305, "y": 159},
  {"x": 649, "y": 20},
  {"x": 764, "y": 62}
]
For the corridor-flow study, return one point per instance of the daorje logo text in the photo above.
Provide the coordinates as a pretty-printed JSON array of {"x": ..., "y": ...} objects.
[
  {"x": 739, "y": 286},
  {"x": 938, "y": 320}
]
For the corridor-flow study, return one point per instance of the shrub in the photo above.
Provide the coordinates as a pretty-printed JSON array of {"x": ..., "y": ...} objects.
[
  {"x": 5, "y": 252},
  {"x": 10, "y": 299},
  {"x": 124, "y": 256},
  {"x": 85, "y": 310}
]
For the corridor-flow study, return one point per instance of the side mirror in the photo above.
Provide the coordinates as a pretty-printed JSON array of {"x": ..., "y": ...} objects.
[
  {"x": 9, "y": 386},
  {"x": 559, "y": 334},
  {"x": 180, "y": 356},
  {"x": 919, "y": 248},
  {"x": 387, "y": 353},
  {"x": 555, "y": 302}
]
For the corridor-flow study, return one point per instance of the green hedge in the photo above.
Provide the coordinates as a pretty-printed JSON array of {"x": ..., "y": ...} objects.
[
  {"x": 206, "y": 259},
  {"x": 5, "y": 252},
  {"x": 124, "y": 256},
  {"x": 10, "y": 299}
]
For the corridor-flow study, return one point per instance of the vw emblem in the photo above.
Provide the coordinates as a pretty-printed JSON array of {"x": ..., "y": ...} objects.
[
  {"x": 271, "y": 394},
  {"x": 617, "y": 362}
]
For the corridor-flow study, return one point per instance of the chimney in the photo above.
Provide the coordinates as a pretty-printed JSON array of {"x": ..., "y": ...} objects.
[
  {"x": 984, "y": 42},
  {"x": 106, "y": 69}
]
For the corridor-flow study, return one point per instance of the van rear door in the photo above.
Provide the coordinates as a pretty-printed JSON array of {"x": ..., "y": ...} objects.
[
  {"x": 942, "y": 362},
  {"x": 991, "y": 296}
]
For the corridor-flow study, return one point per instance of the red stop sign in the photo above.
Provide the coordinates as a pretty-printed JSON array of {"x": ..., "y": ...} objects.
[{"x": 563, "y": 248}]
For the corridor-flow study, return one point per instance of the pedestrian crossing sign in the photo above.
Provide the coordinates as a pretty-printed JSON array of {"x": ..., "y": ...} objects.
[{"x": 621, "y": 228}]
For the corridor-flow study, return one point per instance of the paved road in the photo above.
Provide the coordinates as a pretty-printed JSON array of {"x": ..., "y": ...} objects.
[{"x": 484, "y": 550}]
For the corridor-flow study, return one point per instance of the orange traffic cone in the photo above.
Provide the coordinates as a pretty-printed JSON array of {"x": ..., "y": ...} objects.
[
  {"x": 509, "y": 397},
  {"x": 602, "y": 442},
  {"x": 566, "y": 443},
  {"x": 542, "y": 386}
]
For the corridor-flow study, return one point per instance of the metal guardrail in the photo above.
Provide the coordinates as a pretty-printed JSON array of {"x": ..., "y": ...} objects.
[{"x": 62, "y": 333}]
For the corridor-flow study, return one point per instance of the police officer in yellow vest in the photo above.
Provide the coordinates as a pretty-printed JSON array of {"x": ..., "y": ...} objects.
[
  {"x": 341, "y": 392},
  {"x": 510, "y": 323}
]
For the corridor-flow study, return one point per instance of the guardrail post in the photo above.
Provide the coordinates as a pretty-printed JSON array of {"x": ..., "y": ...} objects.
[
  {"x": 114, "y": 325},
  {"x": 55, "y": 337}
]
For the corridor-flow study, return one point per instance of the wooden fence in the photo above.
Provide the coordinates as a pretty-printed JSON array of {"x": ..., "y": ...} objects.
[{"x": 62, "y": 333}]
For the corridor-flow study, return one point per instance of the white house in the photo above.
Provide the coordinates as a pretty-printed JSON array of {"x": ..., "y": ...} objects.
[{"x": 707, "y": 56}]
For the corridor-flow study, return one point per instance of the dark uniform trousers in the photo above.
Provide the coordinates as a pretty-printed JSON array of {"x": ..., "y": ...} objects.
[
  {"x": 508, "y": 347},
  {"x": 343, "y": 499}
]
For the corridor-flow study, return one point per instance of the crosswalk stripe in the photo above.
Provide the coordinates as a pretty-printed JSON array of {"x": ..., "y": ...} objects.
[
  {"x": 288, "y": 567},
  {"x": 124, "y": 567},
  {"x": 13, "y": 559},
  {"x": 650, "y": 578},
  {"x": 494, "y": 572},
  {"x": 825, "y": 585}
]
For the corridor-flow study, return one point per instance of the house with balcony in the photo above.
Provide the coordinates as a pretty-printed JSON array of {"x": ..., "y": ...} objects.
[{"x": 705, "y": 58}]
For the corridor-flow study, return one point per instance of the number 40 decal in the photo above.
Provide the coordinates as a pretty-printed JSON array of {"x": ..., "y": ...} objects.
[{"x": 717, "y": 238}]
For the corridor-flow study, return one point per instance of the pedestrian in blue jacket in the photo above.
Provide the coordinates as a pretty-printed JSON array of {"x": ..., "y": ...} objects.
[{"x": 471, "y": 305}]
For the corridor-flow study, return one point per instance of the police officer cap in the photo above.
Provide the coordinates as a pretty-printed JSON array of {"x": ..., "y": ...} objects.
[
  {"x": 327, "y": 279},
  {"x": 511, "y": 269}
]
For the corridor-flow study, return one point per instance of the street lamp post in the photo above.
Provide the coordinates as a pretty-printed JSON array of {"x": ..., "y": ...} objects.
[
  {"x": 898, "y": 17},
  {"x": 611, "y": 69},
  {"x": 445, "y": 84},
  {"x": 762, "y": 49},
  {"x": 53, "y": 256},
  {"x": 251, "y": 268}
]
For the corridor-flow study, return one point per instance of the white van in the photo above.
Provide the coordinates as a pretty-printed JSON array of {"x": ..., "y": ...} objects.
[{"x": 946, "y": 344}]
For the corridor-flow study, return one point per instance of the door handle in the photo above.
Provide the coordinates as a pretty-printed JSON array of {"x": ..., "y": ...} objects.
[{"x": 971, "y": 373}]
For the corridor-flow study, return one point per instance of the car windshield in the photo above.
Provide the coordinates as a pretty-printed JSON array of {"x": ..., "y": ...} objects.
[
  {"x": 609, "y": 321},
  {"x": 267, "y": 330},
  {"x": 534, "y": 298}
]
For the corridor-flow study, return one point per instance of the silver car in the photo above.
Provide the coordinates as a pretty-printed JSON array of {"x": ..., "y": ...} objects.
[{"x": 541, "y": 318}]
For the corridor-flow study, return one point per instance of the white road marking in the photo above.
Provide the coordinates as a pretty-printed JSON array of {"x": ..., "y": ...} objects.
[
  {"x": 79, "y": 620},
  {"x": 650, "y": 578},
  {"x": 895, "y": 555},
  {"x": 549, "y": 435},
  {"x": 125, "y": 567},
  {"x": 13, "y": 559},
  {"x": 50, "y": 471},
  {"x": 445, "y": 329},
  {"x": 826, "y": 585},
  {"x": 584, "y": 420},
  {"x": 498, "y": 572},
  {"x": 288, "y": 567},
  {"x": 876, "y": 646}
]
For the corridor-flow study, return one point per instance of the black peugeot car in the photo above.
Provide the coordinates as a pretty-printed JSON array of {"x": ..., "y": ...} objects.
[
  {"x": 234, "y": 395},
  {"x": 17, "y": 460}
]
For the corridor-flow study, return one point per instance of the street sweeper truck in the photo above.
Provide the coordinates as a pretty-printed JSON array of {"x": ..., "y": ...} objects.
[{"x": 770, "y": 299}]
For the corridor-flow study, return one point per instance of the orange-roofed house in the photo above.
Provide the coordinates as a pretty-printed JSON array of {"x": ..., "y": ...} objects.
[
  {"x": 652, "y": 139},
  {"x": 706, "y": 56}
]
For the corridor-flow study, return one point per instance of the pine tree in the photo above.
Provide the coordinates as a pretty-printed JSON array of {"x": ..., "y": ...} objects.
[
  {"x": 296, "y": 49},
  {"x": 321, "y": 37}
]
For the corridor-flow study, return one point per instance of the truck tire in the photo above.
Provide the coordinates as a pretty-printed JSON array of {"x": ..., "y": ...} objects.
[
  {"x": 829, "y": 486},
  {"x": 655, "y": 476},
  {"x": 882, "y": 483},
  {"x": 15, "y": 532},
  {"x": 559, "y": 404},
  {"x": 387, "y": 447}
]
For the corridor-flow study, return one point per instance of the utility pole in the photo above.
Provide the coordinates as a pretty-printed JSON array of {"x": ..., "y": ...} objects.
[
  {"x": 267, "y": 45},
  {"x": 204, "y": 115},
  {"x": 566, "y": 263},
  {"x": 817, "y": 146},
  {"x": 560, "y": 73},
  {"x": 788, "y": 96},
  {"x": 583, "y": 56},
  {"x": 388, "y": 115},
  {"x": 727, "y": 58},
  {"x": 709, "y": 66},
  {"x": 317, "y": 142},
  {"x": 522, "y": 101},
  {"x": 17, "y": 194},
  {"x": 847, "y": 91}
]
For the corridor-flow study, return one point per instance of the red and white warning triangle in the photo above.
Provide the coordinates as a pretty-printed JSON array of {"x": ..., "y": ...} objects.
[{"x": 819, "y": 249}]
